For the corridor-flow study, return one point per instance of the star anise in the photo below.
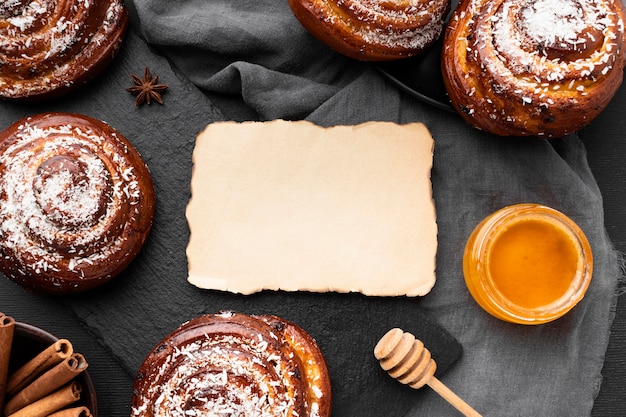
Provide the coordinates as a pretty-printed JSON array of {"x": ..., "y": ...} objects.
[{"x": 147, "y": 89}]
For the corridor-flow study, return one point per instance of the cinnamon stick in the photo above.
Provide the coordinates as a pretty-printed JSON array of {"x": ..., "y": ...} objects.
[
  {"x": 49, "y": 357},
  {"x": 73, "y": 412},
  {"x": 7, "y": 329},
  {"x": 48, "y": 382},
  {"x": 51, "y": 403}
]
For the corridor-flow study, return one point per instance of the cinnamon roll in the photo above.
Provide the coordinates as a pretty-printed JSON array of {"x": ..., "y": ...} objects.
[
  {"x": 533, "y": 67},
  {"x": 48, "y": 47},
  {"x": 76, "y": 202},
  {"x": 234, "y": 364},
  {"x": 373, "y": 30}
]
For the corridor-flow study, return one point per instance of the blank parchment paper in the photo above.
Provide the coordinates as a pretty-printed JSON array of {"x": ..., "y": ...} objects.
[{"x": 294, "y": 206}]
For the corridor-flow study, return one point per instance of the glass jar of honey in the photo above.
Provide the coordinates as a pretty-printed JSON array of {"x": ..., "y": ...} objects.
[{"x": 527, "y": 264}]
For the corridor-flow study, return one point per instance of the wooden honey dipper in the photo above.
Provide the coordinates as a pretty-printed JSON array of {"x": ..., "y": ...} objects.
[{"x": 406, "y": 359}]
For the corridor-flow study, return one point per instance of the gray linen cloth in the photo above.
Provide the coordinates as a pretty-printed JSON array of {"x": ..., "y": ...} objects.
[{"x": 256, "y": 62}]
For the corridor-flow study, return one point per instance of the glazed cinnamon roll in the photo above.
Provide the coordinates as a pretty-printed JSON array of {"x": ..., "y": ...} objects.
[
  {"x": 234, "y": 364},
  {"x": 48, "y": 47},
  {"x": 76, "y": 203},
  {"x": 533, "y": 67},
  {"x": 373, "y": 30}
]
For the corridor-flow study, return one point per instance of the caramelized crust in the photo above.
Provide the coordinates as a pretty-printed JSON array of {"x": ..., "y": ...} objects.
[
  {"x": 373, "y": 30},
  {"x": 237, "y": 365},
  {"x": 533, "y": 67},
  {"x": 48, "y": 47},
  {"x": 76, "y": 200}
]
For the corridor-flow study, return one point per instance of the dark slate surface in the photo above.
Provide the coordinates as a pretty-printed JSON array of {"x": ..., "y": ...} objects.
[{"x": 151, "y": 298}]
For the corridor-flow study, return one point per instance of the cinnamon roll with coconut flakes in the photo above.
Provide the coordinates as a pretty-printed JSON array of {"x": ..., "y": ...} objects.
[
  {"x": 234, "y": 364},
  {"x": 49, "y": 47},
  {"x": 76, "y": 203},
  {"x": 533, "y": 67},
  {"x": 373, "y": 30}
]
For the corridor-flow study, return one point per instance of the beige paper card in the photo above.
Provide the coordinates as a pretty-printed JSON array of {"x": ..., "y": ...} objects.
[{"x": 293, "y": 206}]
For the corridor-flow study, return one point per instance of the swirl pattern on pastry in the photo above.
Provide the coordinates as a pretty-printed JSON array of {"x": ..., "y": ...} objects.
[
  {"x": 533, "y": 67},
  {"x": 48, "y": 47},
  {"x": 373, "y": 30},
  {"x": 234, "y": 364},
  {"x": 76, "y": 202}
]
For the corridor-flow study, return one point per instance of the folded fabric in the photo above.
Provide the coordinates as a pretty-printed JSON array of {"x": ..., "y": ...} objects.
[
  {"x": 255, "y": 61},
  {"x": 152, "y": 297}
]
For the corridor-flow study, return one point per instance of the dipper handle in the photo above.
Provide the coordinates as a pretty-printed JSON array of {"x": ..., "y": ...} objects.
[{"x": 406, "y": 359}]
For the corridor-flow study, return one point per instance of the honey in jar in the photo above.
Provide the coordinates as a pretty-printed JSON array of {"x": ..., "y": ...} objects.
[{"x": 527, "y": 264}]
